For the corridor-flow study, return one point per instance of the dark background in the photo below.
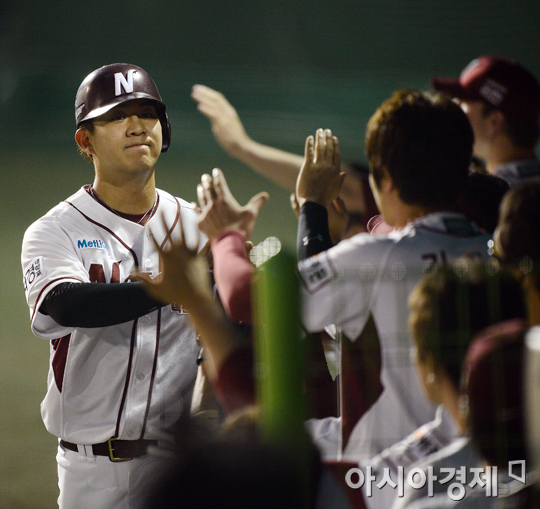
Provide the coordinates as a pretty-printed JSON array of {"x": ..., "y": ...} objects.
[{"x": 288, "y": 67}]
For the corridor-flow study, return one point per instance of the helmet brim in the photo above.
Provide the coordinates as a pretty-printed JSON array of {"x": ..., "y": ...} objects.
[
  {"x": 97, "y": 112},
  {"x": 163, "y": 118}
]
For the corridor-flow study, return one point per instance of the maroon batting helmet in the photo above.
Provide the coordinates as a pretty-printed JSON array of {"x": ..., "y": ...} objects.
[{"x": 114, "y": 84}]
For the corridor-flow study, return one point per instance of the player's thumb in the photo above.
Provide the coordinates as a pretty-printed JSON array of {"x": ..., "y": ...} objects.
[{"x": 256, "y": 203}]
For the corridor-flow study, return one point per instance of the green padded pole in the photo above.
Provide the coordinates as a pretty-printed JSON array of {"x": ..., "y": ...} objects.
[{"x": 280, "y": 356}]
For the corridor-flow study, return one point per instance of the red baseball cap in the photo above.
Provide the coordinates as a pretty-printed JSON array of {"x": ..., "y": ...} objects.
[{"x": 500, "y": 82}]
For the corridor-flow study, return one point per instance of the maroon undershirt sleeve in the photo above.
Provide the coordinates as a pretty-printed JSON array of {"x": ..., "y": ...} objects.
[
  {"x": 234, "y": 385},
  {"x": 232, "y": 274}
]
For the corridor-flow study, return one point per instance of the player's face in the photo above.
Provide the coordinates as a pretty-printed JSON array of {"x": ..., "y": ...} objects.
[
  {"x": 127, "y": 138},
  {"x": 474, "y": 112}
]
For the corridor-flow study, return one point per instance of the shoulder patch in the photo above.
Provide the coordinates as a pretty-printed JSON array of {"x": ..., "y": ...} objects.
[
  {"x": 32, "y": 273},
  {"x": 316, "y": 271}
]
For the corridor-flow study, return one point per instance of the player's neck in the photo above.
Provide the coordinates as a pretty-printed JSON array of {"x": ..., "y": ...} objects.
[
  {"x": 129, "y": 198},
  {"x": 456, "y": 406},
  {"x": 506, "y": 152},
  {"x": 405, "y": 214}
]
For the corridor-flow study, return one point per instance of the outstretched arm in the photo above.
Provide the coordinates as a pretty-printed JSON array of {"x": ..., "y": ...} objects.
[
  {"x": 184, "y": 280},
  {"x": 277, "y": 165},
  {"x": 228, "y": 225}
]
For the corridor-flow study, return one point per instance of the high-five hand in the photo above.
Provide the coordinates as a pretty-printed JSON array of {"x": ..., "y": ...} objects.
[
  {"x": 320, "y": 177},
  {"x": 220, "y": 210}
]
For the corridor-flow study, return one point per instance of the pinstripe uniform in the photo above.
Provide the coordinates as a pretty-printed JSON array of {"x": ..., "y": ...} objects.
[{"x": 130, "y": 380}]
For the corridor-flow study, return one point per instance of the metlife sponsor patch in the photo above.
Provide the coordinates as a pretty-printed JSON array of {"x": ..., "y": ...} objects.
[
  {"x": 316, "y": 271},
  {"x": 32, "y": 273},
  {"x": 91, "y": 243}
]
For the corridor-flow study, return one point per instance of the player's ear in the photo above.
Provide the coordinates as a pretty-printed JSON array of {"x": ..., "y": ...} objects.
[
  {"x": 82, "y": 137},
  {"x": 496, "y": 122},
  {"x": 387, "y": 182}
]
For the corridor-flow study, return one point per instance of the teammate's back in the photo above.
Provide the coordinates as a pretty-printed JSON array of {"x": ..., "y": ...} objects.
[{"x": 419, "y": 148}]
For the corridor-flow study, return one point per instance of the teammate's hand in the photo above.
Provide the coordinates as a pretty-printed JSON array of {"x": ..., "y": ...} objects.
[
  {"x": 226, "y": 125},
  {"x": 220, "y": 210},
  {"x": 295, "y": 206},
  {"x": 338, "y": 217},
  {"x": 338, "y": 220},
  {"x": 320, "y": 177},
  {"x": 184, "y": 277}
]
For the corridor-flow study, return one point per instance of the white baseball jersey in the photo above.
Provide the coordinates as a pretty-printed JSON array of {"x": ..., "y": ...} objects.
[
  {"x": 515, "y": 172},
  {"x": 375, "y": 274},
  {"x": 130, "y": 380}
]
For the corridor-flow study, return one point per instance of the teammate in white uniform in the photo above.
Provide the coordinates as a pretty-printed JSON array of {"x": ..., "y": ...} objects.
[
  {"x": 122, "y": 366},
  {"x": 419, "y": 148}
]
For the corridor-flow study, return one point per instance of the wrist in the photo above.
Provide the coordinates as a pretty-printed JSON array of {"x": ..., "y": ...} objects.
[
  {"x": 242, "y": 148},
  {"x": 313, "y": 199},
  {"x": 228, "y": 233}
]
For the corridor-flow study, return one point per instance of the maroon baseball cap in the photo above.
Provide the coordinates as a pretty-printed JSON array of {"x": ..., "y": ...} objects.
[
  {"x": 493, "y": 372},
  {"x": 500, "y": 82}
]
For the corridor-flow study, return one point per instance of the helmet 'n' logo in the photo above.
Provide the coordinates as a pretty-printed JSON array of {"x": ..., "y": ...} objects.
[{"x": 121, "y": 82}]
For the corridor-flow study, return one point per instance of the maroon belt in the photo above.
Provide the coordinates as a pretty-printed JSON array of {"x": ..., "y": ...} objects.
[{"x": 116, "y": 450}]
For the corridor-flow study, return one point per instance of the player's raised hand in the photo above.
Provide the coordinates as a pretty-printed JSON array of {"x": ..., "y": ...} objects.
[
  {"x": 320, "y": 177},
  {"x": 338, "y": 217},
  {"x": 184, "y": 277},
  {"x": 226, "y": 124},
  {"x": 220, "y": 210}
]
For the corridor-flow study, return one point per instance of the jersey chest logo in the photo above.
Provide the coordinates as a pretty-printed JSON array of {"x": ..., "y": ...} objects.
[{"x": 91, "y": 243}]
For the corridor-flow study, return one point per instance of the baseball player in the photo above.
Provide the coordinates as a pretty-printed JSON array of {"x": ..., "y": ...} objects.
[
  {"x": 502, "y": 101},
  {"x": 122, "y": 365},
  {"x": 419, "y": 149}
]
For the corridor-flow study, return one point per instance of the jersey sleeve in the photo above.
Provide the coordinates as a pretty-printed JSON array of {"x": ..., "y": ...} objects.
[
  {"x": 48, "y": 259},
  {"x": 339, "y": 284}
]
